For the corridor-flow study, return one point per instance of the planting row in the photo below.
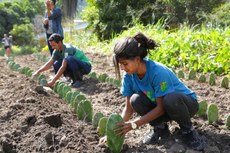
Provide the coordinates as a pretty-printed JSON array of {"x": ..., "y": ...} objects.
[
  {"x": 202, "y": 78},
  {"x": 191, "y": 76},
  {"x": 211, "y": 113},
  {"x": 82, "y": 107}
]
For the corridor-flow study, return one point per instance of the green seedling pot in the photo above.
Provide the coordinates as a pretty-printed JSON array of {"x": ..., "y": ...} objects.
[
  {"x": 74, "y": 95},
  {"x": 93, "y": 75},
  {"x": 102, "y": 77},
  {"x": 114, "y": 141},
  {"x": 85, "y": 111},
  {"x": 192, "y": 75},
  {"x": 212, "y": 113},
  {"x": 225, "y": 83},
  {"x": 43, "y": 82},
  {"x": 68, "y": 96},
  {"x": 180, "y": 74},
  {"x": 96, "y": 118},
  {"x": 202, "y": 78},
  {"x": 228, "y": 122},
  {"x": 212, "y": 79},
  {"x": 56, "y": 86},
  {"x": 65, "y": 89},
  {"x": 101, "y": 128},
  {"x": 60, "y": 88},
  {"x": 203, "y": 105}
]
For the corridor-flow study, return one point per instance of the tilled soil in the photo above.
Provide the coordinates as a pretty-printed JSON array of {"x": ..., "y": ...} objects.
[{"x": 35, "y": 121}]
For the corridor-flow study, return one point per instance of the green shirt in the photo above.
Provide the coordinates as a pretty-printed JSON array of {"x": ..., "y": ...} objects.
[{"x": 69, "y": 50}]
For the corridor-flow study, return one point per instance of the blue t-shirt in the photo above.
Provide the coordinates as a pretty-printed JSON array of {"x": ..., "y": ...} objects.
[{"x": 157, "y": 82}]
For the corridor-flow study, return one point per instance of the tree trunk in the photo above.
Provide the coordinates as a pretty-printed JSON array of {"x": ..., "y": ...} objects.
[{"x": 69, "y": 8}]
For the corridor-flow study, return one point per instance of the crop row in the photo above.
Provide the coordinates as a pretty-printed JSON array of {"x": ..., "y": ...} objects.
[
  {"x": 201, "y": 78},
  {"x": 82, "y": 107},
  {"x": 84, "y": 110},
  {"x": 211, "y": 112},
  {"x": 211, "y": 79}
]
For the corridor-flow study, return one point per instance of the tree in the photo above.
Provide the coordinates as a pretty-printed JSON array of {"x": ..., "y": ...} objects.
[
  {"x": 107, "y": 17},
  {"x": 69, "y": 8}
]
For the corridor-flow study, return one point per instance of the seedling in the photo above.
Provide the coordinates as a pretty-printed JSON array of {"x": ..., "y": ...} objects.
[
  {"x": 68, "y": 96},
  {"x": 29, "y": 72},
  {"x": 60, "y": 87},
  {"x": 212, "y": 113},
  {"x": 40, "y": 76},
  {"x": 225, "y": 83},
  {"x": 102, "y": 77},
  {"x": 228, "y": 122},
  {"x": 192, "y": 75},
  {"x": 114, "y": 141},
  {"x": 43, "y": 82},
  {"x": 202, "y": 78},
  {"x": 203, "y": 105},
  {"x": 93, "y": 75},
  {"x": 212, "y": 79},
  {"x": 117, "y": 82},
  {"x": 96, "y": 118},
  {"x": 16, "y": 67},
  {"x": 56, "y": 86},
  {"x": 77, "y": 100},
  {"x": 75, "y": 93},
  {"x": 85, "y": 110},
  {"x": 65, "y": 89},
  {"x": 101, "y": 129},
  {"x": 181, "y": 74}
]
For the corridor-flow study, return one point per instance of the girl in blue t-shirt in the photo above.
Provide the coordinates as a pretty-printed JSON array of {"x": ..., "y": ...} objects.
[{"x": 154, "y": 92}]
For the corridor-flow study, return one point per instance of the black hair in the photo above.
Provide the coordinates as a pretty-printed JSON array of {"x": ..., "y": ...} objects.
[
  {"x": 54, "y": 1},
  {"x": 131, "y": 47},
  {"x": 56, "y": 37}
]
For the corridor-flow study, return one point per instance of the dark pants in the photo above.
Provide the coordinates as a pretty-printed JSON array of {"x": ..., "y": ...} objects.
[
  {"x": 178, "y": 107},
  {"x": 49, "y": 46},
  {"x": 75, "y": 68}
]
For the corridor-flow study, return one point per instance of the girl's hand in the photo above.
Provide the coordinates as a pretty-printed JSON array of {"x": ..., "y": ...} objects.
[
  {"x": 102, "y": 141},
  {"x": 123, "y": 128}
]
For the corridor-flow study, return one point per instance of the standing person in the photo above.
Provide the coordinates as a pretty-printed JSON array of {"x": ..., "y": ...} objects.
[
  {"x": 154, "y": 92},
  {"x": 7, "y": 42},
  {"x": 52, "y": 21},
  {"x": 67, "y": 60}
]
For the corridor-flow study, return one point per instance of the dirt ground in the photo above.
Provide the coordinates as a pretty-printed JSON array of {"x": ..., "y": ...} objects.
[{"x": 43, "y": 122}]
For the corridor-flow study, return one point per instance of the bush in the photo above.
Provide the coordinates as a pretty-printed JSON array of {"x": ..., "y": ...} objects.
[
  {"x": 110, "y": 17},
  {"x": 220, "y": 16},
  {"x": 23, "y": 34}
]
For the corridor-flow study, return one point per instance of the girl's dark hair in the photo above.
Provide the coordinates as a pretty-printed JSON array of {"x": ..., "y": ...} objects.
[{"x": 130, "y": 47}]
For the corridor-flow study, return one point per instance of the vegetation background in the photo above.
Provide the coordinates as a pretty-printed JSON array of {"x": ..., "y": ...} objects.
[{"x": 194, "y": 34}]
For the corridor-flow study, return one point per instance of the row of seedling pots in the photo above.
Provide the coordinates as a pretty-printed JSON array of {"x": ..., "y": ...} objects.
[
  {"x": 16, "y": 67},
  {"x": 82, "y": 107},
  {"x": 105, "y": 78},
  {"x": 84, "y": 110},
  {"x": 202, "y": 78},
  {"x": 106, "y": 127},
  {"x": 210, "y": 112},
  {"x": 26, "y": 71}
]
